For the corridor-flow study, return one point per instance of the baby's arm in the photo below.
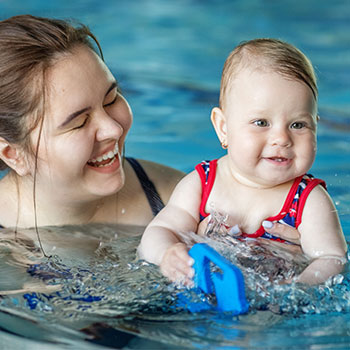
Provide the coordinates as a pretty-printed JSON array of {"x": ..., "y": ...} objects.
[
  {"x": 160, "y": 243},
  {"x": 322, "y": 238}
]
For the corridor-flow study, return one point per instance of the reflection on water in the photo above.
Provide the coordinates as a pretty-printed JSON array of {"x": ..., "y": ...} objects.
[{"x": 94, "y": 289}]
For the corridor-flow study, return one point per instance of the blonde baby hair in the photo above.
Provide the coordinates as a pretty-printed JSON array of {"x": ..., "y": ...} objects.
[{"x": 268, "y": 54}]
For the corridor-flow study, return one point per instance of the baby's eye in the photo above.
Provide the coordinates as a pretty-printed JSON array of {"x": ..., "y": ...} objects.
[
  {"x": 298, "y": 125},
  {"x": 261, "y": 123}
]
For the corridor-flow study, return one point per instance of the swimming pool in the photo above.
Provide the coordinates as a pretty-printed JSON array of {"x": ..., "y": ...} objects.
[{"x": 168, "y": 57}]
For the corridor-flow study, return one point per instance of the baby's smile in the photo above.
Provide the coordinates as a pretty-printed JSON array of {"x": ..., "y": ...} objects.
[{"x": 278, "y": 160}]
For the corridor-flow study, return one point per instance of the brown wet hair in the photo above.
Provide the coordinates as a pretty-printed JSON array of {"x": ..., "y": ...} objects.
[{"x": 29, "y": 46}]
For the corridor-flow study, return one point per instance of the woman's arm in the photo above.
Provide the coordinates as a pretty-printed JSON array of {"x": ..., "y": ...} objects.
[{"x": 283, "y": 231}]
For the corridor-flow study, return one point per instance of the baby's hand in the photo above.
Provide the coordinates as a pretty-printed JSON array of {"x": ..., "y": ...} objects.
[{"x": 177, "y": 264}]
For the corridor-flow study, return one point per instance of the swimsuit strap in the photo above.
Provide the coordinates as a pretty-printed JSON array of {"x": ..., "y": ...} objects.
[
  {"x": 311, "y": 183},
  {"x": 148, "y": 187},
  {"x": 207, "y": 172},
  {"x": 292, "y": 210}
]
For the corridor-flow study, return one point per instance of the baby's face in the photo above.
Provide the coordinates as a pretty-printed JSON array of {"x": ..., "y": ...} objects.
[{"x": 271, "y": 127}]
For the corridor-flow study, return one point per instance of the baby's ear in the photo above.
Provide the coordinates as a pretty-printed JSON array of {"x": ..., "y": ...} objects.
[
  {"x": 219, "y": 122},
  {"x": 14, "y": 157}
]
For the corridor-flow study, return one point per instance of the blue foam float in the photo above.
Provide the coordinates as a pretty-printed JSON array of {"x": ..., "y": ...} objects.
[{"x": 227, "y": 283}]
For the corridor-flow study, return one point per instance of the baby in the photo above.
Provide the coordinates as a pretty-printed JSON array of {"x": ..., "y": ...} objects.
[{"x": 267, "y": 121}]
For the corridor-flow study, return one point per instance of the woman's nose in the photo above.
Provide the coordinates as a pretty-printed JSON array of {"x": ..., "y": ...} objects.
[{"x": 107, "y": 127}]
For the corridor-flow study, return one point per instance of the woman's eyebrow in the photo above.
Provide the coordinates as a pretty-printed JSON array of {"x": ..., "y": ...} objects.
[{"x": 81, "y": 111}]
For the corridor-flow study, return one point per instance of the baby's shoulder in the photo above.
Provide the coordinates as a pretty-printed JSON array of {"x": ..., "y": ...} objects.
[
  {"x": 317, "y": 208},
  {"x": 318, "y": 196}
]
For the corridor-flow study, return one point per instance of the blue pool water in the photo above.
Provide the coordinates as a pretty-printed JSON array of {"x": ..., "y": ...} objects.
[{"x": 168, "y": 57}]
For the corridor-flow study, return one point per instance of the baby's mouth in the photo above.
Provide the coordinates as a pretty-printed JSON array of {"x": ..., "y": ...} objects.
[
  {"x": 278, "y": 159},
  {"x": 105, "y": 159}
]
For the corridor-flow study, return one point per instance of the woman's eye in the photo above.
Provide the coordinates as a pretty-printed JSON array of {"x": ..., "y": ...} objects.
[
  {"x": 111, "y": 103},
  {"x": 261, "y": 123},
  {"x": 81, "y": 125},
  {"x": 298, "y": 125}
]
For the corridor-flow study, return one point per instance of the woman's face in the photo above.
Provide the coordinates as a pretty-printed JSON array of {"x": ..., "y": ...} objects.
[{"x": 85, "y": 124}]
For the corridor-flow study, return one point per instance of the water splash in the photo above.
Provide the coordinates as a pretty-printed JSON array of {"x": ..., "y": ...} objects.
[
  {"x": 112, "y": 288},
  {"x": 267, "y": 265}
]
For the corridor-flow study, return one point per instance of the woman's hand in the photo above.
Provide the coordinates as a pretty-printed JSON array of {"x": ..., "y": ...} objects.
[
  {"x": 176, "y": 264},
  {"x": 286, "y": 232}
]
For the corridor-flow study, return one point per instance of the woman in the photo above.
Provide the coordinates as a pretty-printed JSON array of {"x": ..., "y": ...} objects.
[{"x": 63, "y": 123}]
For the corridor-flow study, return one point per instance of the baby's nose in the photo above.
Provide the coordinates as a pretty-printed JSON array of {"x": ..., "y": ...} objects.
[{"x": 281, "y": 137}]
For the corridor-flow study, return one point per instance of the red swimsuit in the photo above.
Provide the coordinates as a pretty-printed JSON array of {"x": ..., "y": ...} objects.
[{"x": 291, "y": 212}]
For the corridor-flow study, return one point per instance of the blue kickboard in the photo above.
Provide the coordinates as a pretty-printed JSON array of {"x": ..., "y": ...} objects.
[{"x": 227, "y": 285}]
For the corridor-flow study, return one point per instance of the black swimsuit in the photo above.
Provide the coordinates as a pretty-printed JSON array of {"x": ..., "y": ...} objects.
[
  {"x": 148, "y": 187},
  {"x": 151, "y": 193}
]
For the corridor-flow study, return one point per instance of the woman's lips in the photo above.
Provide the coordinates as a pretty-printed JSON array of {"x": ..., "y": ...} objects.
[
  {"x": 105, "y": 159},
  {"x": 107, "y": 162},
  {"x": 106, "y": 166}
]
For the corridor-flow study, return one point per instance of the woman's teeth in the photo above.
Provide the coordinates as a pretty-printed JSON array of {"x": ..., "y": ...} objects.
[
  {"x": 105, "y": 159},
  {"x": 109, "y": 155}
]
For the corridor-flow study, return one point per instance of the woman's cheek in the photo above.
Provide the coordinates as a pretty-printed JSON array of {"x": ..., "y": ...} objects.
[
  {"x": 128, "y": 119},
  {"x": 125, "y": 122},
  {"x": 124, "y": 115}
]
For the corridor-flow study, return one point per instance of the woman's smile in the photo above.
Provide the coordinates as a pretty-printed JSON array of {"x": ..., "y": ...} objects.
[
  {"x": 105, "y": 158},
  {"x": 106, "y": 162}
]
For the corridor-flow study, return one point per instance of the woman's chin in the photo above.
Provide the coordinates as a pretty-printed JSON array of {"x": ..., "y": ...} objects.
[
  {"x": 106, "y": 183},
  {"x": 106, "y": 190}
]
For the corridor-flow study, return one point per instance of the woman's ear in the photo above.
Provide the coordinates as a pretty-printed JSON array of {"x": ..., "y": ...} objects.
[
  {"x": 14, "y": 157},
  {"x": 219, "y": 122}
]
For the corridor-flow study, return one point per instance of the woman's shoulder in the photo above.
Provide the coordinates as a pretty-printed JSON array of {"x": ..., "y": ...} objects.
[
  {"x": 164, "y": 178},
  {"x": 160, "y": 169}
]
